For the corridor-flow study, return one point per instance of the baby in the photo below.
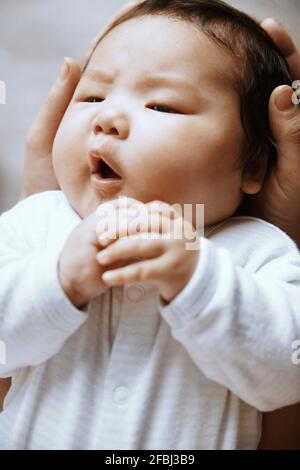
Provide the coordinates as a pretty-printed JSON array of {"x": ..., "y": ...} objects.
[{"x": 182, "y": 348}]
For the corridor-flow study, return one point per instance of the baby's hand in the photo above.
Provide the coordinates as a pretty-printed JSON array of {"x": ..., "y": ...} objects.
[
  {"x": 79, "y": 273},
  {"x": 158, "y": 234}
]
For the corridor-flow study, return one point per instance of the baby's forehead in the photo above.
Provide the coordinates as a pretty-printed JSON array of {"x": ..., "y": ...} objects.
[{"x": 194, "y": 51}]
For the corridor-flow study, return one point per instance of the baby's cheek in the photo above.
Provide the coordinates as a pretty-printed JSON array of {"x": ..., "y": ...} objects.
[
  {"x": 69, "y": 158},
  {"x": 60, "y": 144},
  {"x": 64, "y": 140},
  {"x": 58, "y": 153},
  {"x": 61, "y": 156}
]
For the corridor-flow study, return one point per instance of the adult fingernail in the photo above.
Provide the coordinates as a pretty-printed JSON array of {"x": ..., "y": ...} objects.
[
  {"x": 284, "y": 100},
  {"x": 270, "y": 21},
  {"x": 64, "y": 71}
]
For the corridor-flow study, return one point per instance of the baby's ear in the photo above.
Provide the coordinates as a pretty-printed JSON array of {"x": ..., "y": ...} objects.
[{"x": 254, "y": 175}]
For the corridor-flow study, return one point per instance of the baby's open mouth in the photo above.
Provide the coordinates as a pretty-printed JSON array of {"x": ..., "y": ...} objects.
[{"x": 105, "y": 171}]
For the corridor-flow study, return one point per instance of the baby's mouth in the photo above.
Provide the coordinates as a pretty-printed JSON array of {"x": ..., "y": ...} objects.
[
  {"x": 105, "y": 171},
  {"x": 100, "y": 168}
]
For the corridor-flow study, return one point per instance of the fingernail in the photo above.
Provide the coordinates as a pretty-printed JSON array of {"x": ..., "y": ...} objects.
[
  {"x": 296, "y": 92},
  {"x": 64, "y": 71},
  {"x": 270, "y": 21},
  {"x": 108, "y": 276},
  {"x": 103, "y": 239},
  {"x": 103, "y": 256},
  {"x": 283, "y": 100}
]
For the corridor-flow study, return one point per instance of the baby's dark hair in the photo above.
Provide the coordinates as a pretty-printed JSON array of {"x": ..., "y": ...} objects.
[{"x": 260, "y": 65}]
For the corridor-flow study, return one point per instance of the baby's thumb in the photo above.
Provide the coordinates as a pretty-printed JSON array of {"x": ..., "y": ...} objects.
[{"x": 284, "y": 115}]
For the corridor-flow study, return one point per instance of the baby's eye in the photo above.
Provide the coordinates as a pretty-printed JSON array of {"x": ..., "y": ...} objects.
[
  {"x": 93, "y": 99},
  {"x": 164, "y": 109}
]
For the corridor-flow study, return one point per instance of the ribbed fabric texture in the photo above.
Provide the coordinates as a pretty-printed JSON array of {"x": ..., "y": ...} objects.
[{"x": 130, "y": 372}]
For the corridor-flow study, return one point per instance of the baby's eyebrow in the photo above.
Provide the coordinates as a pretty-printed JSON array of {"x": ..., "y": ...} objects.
[
  {"x": 98, "y": 75},
  {"x": 154, "y": 80},
  {"x": 168, "y": 80}
]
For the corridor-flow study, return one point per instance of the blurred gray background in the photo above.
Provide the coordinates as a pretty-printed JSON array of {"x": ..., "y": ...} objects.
[{"x": 35, "y": 35}]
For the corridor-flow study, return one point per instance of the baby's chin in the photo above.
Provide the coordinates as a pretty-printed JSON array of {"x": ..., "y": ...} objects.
[
  {"x": 84, "y": 209},
  {"x": 87, "y": 203},
  {"x": 83, "y": 204}
]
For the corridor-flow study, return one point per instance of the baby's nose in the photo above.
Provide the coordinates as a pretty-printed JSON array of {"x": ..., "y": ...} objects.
[
  {"x": 111, "y": 122},
  {"x": 98, "y": 129}
]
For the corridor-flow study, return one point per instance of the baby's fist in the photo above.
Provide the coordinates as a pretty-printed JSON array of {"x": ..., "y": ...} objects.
[{"x": 79, "y": 273}]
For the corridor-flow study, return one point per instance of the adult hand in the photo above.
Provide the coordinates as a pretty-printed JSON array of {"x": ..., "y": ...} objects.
[
  {"x": 281, "y": 429},
  {"x": 38, "y": 170},
  {"x": 278, "y": 202}
]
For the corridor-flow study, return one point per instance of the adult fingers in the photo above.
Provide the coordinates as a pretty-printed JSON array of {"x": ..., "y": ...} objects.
[
  {"x": 285, "y": 43},
  {"x": 41, "y": 135},
  {"x": 285, "y": 124}
]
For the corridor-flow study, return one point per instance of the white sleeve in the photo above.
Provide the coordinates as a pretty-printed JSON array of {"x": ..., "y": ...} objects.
[
  {"x": 36, "y": 317},
  {"x": 238, "y": 326}
]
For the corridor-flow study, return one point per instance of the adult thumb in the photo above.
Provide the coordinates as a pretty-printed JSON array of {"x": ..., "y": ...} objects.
[
  {"x": 41, "y": 135},
  {"x": 284, "y": 117}
]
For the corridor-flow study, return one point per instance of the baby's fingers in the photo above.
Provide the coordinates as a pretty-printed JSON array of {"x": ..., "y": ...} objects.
[
  {"x": 144, "y": 271},
  {"x": 155, "y": 226},
  {"x": 135, "y": 246},
  {"x": 132, "y": 248}
]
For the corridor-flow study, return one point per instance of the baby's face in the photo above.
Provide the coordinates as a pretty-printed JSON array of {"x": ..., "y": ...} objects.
[{"x": 163, "y": 113}]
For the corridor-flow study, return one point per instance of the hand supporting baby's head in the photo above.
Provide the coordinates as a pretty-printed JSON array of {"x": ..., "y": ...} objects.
[{"x": 172, "y": 106}]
